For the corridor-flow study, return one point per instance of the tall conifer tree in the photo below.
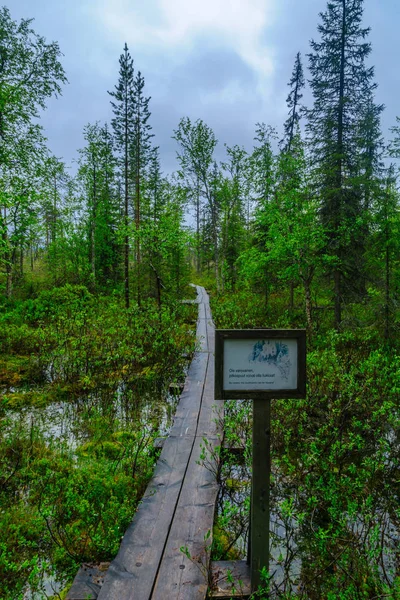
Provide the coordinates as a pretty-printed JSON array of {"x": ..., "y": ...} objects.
[
  {"x": 123, "y": 124},
  {"x": 296, "y": 84},
  {"x": 339, "y": 82},
  {"x": 140, "y": 156}
]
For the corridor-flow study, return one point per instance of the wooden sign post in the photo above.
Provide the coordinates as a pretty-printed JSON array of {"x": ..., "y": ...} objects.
[{"x": 260, "y": 364}]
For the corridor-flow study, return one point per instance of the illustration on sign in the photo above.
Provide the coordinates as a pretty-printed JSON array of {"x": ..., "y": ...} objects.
[
  {"x": 264, "y": 364},
  {"x": 274, "y": 353}
]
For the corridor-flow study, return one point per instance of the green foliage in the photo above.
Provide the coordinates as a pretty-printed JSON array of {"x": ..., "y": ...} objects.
[
  {"x": 73, "y": 339},
  {"x": 307, "y": 237},
  {"x": 335, "y": 454},
  {"x": 338, "y": 448},
  {"x": 67, "y": 507},
  {"x": 68, "y": 497}
]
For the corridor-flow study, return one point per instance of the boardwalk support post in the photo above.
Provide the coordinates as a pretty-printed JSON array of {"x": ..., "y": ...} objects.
[{"x": 260, "y": 504}]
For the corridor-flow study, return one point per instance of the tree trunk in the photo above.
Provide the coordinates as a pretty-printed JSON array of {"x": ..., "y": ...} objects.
[
  {"x": 7, "y": 254},
  {"x": 338, "y": 301},
  {"x": 126, "y": 206},
  {"x": 93, "y": 228},
  {"x": 308, "y": 302},
  {"x": 137, "y": 218},
  {"x": 198, "y": 265}
]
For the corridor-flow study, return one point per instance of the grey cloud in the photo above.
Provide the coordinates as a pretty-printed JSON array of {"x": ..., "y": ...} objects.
[{"x": 211, "y": 71}]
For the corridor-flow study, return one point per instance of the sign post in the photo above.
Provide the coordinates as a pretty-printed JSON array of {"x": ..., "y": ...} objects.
[{"x": 260, "y": 364}]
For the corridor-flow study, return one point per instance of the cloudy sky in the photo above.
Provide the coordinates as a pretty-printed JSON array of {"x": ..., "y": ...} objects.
[{"x": 224, "y": 61}]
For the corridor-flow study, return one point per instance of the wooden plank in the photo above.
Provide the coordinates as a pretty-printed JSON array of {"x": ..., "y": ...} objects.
[
  {"x": 207, "y": 307},
  {"x": 88, "y": 582},
  {"x": 186, "y": 416},
  {"x": 211, "y": 414},
  {"x": 132, "y": 573},
  {"x": 230, "y": 579},
  {"x": 180, "y": 577},
  {"x": 210, "y": 336},
  {"x": 202, "y": 312},
  {"x": 201, "y": 334}
]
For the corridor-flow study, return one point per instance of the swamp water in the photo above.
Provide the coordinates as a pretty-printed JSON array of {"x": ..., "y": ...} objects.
[{"x": 146, "y": 410}]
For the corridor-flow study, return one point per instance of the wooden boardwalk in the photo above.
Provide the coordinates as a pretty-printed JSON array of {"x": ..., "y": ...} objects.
[{"x": 178, "y": 506}]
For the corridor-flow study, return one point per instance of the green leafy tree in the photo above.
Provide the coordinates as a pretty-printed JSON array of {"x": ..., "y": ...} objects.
[
  {"x": 30, "y": 72},
  {"x": 19, "y": 180},
  {"x": 197, "y": 143}
]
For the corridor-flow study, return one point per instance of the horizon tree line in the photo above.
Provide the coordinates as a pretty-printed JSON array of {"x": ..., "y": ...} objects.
[{"x": 310, "y": 215}]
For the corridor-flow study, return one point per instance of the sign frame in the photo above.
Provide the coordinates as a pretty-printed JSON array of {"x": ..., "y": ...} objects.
[{"x": 299, "y": 335}]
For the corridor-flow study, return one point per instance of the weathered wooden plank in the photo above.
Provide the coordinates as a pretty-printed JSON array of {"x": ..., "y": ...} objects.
[
  {"x": 202, "y": 312},
  {"x": 132, "y": 573},
  {"x": 210, "y": 336},
  {"x": 180, "y": 577},
  {"x": 88, "y": 582},
  {"x": 186, "y": 416},
  {"x": 211, "y": 415},
  {"x": 202, "y": 335},
  {"x": 206, "y": 302}
]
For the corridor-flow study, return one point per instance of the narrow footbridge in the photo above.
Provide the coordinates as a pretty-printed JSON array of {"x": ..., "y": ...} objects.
[{"x": 178, "y": 506}]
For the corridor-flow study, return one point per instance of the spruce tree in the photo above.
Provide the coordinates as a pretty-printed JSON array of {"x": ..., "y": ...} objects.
[
  {"x": 263, "y": 164},
  {"x": 340, "y": 80},
  {"x": 123, "y": 125},
  {"x": 263, "y": 169},
  {"x": 155, "y": 185},
  {"x": 140, "y": 157},
  {"x": 109, "y": 210},
  {"x": 96, "y": 176},
  {"x": 296, "y": 84}
]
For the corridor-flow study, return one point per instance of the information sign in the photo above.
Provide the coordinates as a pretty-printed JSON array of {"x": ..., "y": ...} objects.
[{"x": 267, "y": 363}]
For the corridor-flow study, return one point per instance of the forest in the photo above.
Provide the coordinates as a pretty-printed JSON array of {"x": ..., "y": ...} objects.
[{"x": 300, "y": 231}]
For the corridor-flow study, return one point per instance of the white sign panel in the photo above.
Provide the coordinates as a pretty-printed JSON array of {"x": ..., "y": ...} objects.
[{"x": 264, "y": 364}]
